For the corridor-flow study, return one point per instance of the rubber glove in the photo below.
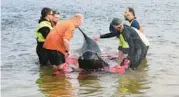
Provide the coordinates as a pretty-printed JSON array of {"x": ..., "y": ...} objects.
[{"x": 96, "y": 38}]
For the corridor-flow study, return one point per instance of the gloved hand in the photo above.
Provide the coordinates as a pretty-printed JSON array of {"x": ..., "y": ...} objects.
[{"x": 96, "y": 38}]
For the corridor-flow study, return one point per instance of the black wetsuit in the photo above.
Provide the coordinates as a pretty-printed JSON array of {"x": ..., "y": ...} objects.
[
  {"x": 136, "y": 46},
  {"x": 41, "y": 52}
]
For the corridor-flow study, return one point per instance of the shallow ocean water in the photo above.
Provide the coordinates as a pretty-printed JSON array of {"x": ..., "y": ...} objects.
[{"x": 22, "y": 76}]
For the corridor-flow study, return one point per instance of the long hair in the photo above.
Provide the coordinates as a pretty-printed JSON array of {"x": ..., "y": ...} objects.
[
  {"x": 44, "y": 12},
  {"x": 132, "y": 11}
]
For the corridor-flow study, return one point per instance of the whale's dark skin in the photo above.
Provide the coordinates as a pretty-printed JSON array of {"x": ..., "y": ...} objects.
[{"x": 90, "y": 58}]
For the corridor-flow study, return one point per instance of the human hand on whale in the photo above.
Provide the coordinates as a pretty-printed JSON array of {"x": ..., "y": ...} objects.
[{"x": 96, "y": 38}]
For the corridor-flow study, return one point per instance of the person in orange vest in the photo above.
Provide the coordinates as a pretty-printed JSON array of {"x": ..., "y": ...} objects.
[
  {"x": 41, "y": 33},
  {"x": 57, "y": 42}
]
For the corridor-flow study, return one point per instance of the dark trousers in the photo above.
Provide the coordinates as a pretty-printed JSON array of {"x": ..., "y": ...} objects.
[
  {"x": 42, "y": 54},
  {"x": 55, "y": 57},
  {"x": 140, "y": 51}
]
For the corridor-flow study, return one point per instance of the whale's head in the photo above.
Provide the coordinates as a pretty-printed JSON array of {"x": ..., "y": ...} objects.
[{"x": 91, "y": 60}]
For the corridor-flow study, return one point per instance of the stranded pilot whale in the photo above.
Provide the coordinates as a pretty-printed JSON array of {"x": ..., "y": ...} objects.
[{"x": 90, "y": 58}]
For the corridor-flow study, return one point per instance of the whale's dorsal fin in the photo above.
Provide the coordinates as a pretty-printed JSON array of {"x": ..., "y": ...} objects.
[{"x": 82, "y": 32}]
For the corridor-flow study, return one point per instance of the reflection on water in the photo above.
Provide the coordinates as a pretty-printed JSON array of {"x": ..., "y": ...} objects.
[
  {"x": 94, "y": 84},
  {"x": 56, "y": 86},
  {"x": 160, "y": 20},
  {"x": 134, "y": 82}
]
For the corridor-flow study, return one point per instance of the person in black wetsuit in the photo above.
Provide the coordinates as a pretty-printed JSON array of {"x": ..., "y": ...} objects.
[
  {"x": 130, "y": 46},
  {"x": 41, "y": 32}
]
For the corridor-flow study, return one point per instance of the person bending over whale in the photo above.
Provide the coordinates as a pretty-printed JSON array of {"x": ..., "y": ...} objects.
[
  {"x": 130, "y": 44},
  {"x": 57, "y": 42}
]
